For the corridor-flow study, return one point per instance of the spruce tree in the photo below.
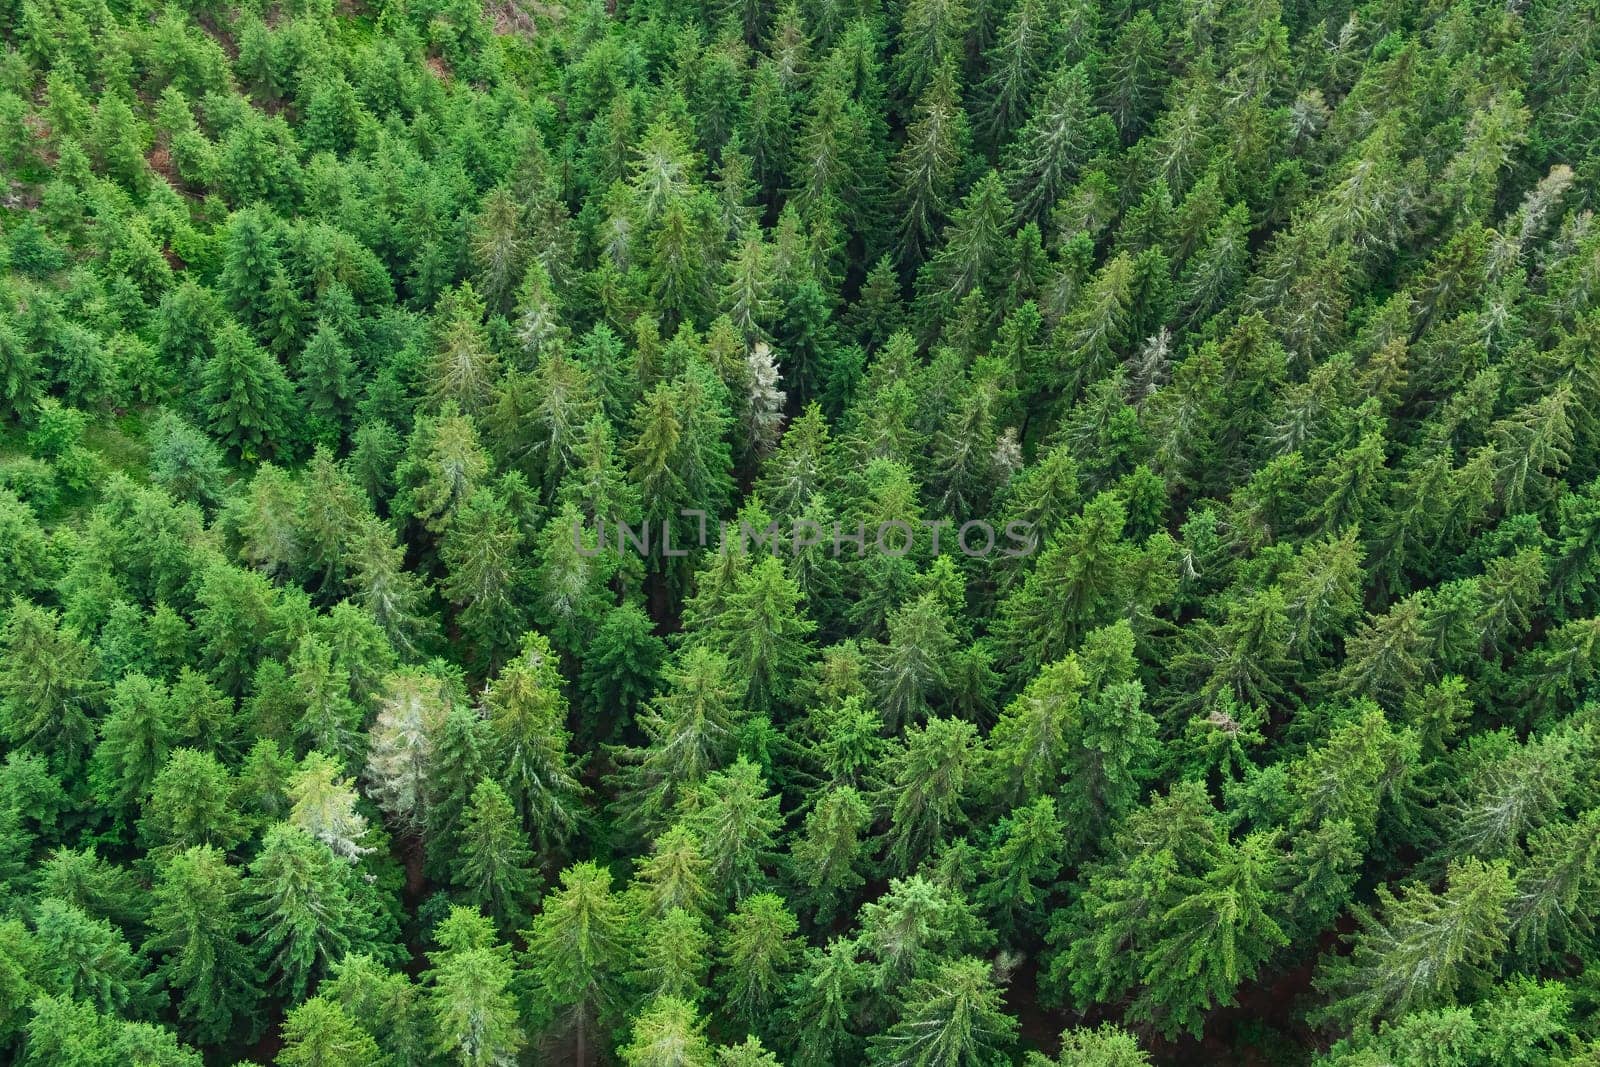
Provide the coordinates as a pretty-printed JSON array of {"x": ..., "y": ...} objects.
[
  {"x": 298, "y": 896},
  {"x": 952, "y": 1016},
  {"x": 248, "y": 399},
  {"x": 198, "y": 930},
  {"x": 526, "y": 709},
  {"x": 1418, "y": 947},
  {"x": 495, "y": 869},
  {"x": 474, "y": 1013},
  {"x": 758, "y": 955},
  {"x": 578, "y": 947}
]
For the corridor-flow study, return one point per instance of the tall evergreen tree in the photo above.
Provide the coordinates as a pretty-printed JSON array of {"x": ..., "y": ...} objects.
[
  {"x": 198, "y": 927},
  {"x": 1420, "y": 947},
  {"x": 248, "y": 398},
  {"x": 578, "y": 947},
  {"x": 495, "y": 863}
]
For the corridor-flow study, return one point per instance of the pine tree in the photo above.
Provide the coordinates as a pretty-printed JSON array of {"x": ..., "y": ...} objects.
[
  {"x": 824, "y": 1000},
  {"x": 737, "y": 824},
  {"x": 47, "y": 690},
  {"x": 1031, "y": 742},
  {"x": 191, "y": 803},
  {"x": 1106, "y": 1045},
  {"x": 1015, "y": 62},
  {"x": 747, "y": 296},
  {"x": 1552, "y": 903},
  {"x": 331, "y": 514},
  {"x": 1104, "y": 938},
  {"x": 674, "y": 955},
  {"x": 765, "y": 630},
  {"x": 808, "y": 341},
  {"x": 622, "y": 665},
  {"x": 572, "y": 583},
  {"x": 64, "y": 1030},
  {"x": 1556, "y": 671},
  {"x": 748, "y": 1053},
  {"x": 469, "y": 996},
  {"x": 250, "y": 259},
  {"x": 387, "y": 1004},
  {"x": 297, "y": 893},
  {"x": 668, "y": 1033},
  {"x": 975, "y": 246},
  {"x": 1418, "y": 947},
  {"x": 1383, "y": 658},
  {"x": 324, "y": 806},
  {"x": 92, "y": 884},
  {"x": 1216, "y": 936},
  {"x": 1132, "y": 78},
  {"x": 1504, "y": 799},
  {"x": 673, "y": 875},
  {"x": 198, "y": 931},
  {"x": 526, "y": 709},
  {"x": 538, "y": 418},
  {"x": 764, "y": 405},
  {"x": 1099, "y": 329},
  {"x": 1347, "y": 777},
  {"x": 578, "y": 948},
  {"x": 320, "y": 1033},
  {"x": 135, "y": 740},
  {"x": 690, "y": 732},
  {"x": 497, "y": 247},
  {"x": 928, "y": 780},
  {"x": 828, "y": 856},
  {"x": 911, "y": 669},
  {"x": 234, "y": 619},
  {"x": 680, "y": 266},
  {"x": 537, "y": 315},
  {"x": 485, "y": 579},
  {"x": 1058, "y": 138},
  {"x": 464, "y": 367},
  {"x": 596, "y": 485},
  {"x": 329, "y": 719},
  {"x": 19, "y": 373},
  {"x": 927, "y": 163},
  {"x": 283, "y": 312},
  {"x": 325, "y": 372},
  {"x": 400, "y": 744},
  {"x": 264, "y": 518},
  {"x": 1020, "y": 864},
  {"x": 495, "y": 870},
  {"x": 930, "y": 39},
  {"x": 392, "y": 595},
  {"x": 1113, "y": 751},
  {"x": 953, "y": 1016},
  {"x": 461, "y": 757},
  {"x": 759, "y": 951},
  {"x": 85, "y": 958},
  {"x": 248, "y": 399}
]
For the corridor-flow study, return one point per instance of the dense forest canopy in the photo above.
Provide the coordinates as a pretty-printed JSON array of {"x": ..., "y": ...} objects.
[{"x": 337, "y": 731}]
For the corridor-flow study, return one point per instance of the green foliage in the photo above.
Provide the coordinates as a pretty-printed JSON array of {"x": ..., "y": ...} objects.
[
  {"x": 198, "y": 925},
  {"x": 1420, "y": 947},
  {"x": 578, "y": 947},
  {"x": 494, "y": 870},
  {"x": 298, "y": 895},
  {"x": 474, "y": 1017},
  {"x": 387, "y": 397}
]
